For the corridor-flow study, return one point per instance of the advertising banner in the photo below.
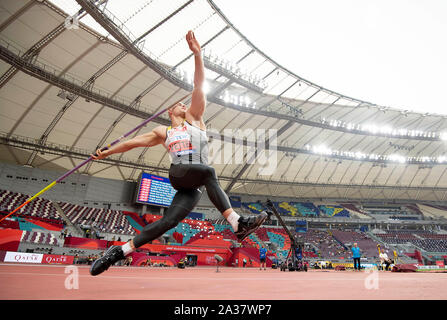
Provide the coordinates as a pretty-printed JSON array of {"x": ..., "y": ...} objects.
[
  {"x": 23, "y": 257},
  {"x": 57, "y": 259}
]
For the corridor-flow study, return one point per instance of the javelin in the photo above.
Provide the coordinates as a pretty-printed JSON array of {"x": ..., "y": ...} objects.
[{"x": 91, "y": 158}]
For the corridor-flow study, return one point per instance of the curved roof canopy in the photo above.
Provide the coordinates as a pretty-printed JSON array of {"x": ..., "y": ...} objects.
[{"x": 76, "y": 75}]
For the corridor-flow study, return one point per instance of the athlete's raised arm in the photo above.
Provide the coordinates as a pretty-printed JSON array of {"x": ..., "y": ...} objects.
[
  {"x": 198, "y": 99},
  {"x": 150, "y": 139}
]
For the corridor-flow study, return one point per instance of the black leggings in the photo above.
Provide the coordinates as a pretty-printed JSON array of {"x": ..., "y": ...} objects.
[
  {"x": 188, "y": 180},
  {"x": 356, "y": 263}
]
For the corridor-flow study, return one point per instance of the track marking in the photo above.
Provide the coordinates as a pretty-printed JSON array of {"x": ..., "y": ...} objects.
[{"x": 204, "y": 278}]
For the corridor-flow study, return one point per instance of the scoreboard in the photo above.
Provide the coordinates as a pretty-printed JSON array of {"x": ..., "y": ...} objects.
[{"x": 155, "y": 190}]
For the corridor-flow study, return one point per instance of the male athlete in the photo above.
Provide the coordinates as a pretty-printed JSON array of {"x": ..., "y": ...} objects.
[
  {"x": 187, "y": 144},
  {"x": 262, "y": 257}
]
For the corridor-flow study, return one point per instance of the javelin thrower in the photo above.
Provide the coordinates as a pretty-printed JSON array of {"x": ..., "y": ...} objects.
[{"x": 187, "y": 144}]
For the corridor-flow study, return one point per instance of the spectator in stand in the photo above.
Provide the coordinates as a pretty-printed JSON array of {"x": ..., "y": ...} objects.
[
  {"x": 262, "y": 257},
  {"x": 356, "y": 256}
]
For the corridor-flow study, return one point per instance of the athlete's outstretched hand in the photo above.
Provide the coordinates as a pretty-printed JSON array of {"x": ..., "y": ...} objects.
[
  {"x": 99, "y": 154},
  {"x": 193, "y": 43}
]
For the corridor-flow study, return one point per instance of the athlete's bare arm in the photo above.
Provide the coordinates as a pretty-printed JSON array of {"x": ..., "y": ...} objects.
[
  {"x": 150, "y": 139},
  {"x": 195, "y": 112}
]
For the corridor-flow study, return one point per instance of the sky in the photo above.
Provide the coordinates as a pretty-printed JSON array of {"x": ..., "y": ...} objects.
[{"x": 391, "y": 53}]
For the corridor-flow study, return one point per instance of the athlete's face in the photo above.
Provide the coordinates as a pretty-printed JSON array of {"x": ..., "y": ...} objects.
[{"x": 179, "y": 110}]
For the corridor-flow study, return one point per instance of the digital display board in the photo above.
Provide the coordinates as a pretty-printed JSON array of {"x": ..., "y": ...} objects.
[{"x": 155, "y": 190}]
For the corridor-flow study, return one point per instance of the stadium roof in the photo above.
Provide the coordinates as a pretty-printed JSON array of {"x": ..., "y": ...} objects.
[{"x": 76, "y": 75}]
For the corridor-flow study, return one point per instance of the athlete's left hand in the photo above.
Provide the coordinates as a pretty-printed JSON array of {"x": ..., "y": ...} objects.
[{"x": 193, "y": 43}]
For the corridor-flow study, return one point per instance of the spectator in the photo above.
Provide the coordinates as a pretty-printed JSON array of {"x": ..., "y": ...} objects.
[
  {"x": 244, "y": 262},
  {"x": 384, "y": 260},
  {"x": 356, "y": 256}
]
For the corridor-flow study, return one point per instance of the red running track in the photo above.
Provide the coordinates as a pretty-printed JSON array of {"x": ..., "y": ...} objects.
[{"x": 37, "y": 282}]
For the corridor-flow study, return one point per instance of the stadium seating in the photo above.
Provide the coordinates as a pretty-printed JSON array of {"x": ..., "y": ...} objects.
[
  {"x": 279, "y": 237},
  {"x": 306, "y": 209},
  {"x": 262, "y": 234},
  {"x": 427, "y": 241},
  {"x": 249, "y": 242},
  {"x": 331, "y": 244},
  {"x": 327, "y": 245},
  {"x": 333, "y": 211},
  {"x": 150, "y": 218},
  {"x": 183, "y": 232},
  {"x": 105, "y": 220},
  {"x": 39, "y": 238},
  {"x": 356, "y": 212},
  {"x": 226, "y": 231},
  {"x": 254, "y": 207},
  {"x": 431, "y": 245},
  {"x": 38, "y": 208},
  {"x": 135, "y": 217},
  {"x": 368, "y": 246}
]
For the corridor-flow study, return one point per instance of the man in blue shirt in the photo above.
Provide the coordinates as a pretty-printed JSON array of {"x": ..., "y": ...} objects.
[
  {"x": 356, "y": 256},
  {"x": 262, "y": 257}
]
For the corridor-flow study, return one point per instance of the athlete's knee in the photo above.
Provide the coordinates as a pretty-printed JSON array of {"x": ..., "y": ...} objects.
[
  {"x": 210, "y": 172},
  {"x": 211, "y": 177}
]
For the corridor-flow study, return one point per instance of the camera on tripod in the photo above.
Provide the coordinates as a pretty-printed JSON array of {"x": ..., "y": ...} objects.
[{"x": 294, "y": 260}]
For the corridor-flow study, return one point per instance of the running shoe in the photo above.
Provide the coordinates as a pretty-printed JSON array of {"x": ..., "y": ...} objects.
[
  {"x": 110, "y": 257},
  {"x": 247, "y": 225}
]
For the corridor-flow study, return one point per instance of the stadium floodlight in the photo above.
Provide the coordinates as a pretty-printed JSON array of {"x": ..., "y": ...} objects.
[
  {"x": 247, "y": 101},
  {"x": 226, "y": 97},
  {"x": 239, "y": 100},
  {"x": 359, "y": 155},
  {"x": 386, "y": 130},
  {"x": 322, "y": 149},
  {"x": 397, "y": 158},
  {"x": 377, "y": 129}
]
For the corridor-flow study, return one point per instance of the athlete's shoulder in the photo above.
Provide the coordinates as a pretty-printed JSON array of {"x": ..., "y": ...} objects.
[{"x": 160, "y": 131}]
